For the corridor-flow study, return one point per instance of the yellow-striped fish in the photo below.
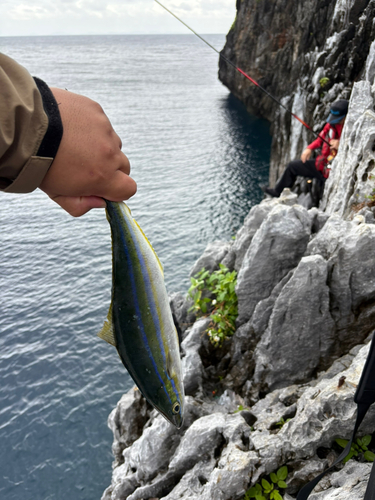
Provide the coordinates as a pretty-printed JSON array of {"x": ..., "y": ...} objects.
[{"x": 139, "y": 322}]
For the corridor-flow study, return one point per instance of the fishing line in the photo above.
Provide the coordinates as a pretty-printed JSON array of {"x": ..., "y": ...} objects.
[{"x": 245, "y": 74}]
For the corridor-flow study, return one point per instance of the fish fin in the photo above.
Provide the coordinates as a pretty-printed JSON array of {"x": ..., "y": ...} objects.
[
  {"x": 156, "y": 255},
  {"x": 107, "y": 333}
]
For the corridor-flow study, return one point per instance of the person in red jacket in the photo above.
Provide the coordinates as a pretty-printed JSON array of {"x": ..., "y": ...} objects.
[{"x": 319, "y": 167}]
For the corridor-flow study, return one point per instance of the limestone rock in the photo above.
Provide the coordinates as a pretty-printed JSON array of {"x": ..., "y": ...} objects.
[
  {"x": 276, "y": 248},
  {"x": 192, "y": 366},
  {"x": 180, "y": 306},
  {"x": 126, "y": 422},
  {"x": 347, "y": 484},
  {"x": 350, "y": 180},
  {"x": 211, "y": 257},
  {"x": 348, "y": 248},
  {"x": 218, "y": 455},
  {"x": 300, "y": 318},
  {"x": 253, "y": 222}
]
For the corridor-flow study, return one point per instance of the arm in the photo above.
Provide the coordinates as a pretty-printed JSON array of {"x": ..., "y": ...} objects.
[
  {"x": 23, "y": 125},
  {"x": 306, "y": 155},
  {"x": 86, "y": 164}
]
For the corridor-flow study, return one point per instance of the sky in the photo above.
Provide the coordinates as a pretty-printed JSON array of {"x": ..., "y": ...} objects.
[{"x": 83, "y": 17}]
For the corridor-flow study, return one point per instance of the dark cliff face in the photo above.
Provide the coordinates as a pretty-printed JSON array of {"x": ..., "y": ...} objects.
[{"x": 307, "y": 54}]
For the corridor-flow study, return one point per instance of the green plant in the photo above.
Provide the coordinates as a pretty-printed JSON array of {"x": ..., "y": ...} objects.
[
  {"x": 223, "y": 307},
  {"x": 269, "y": 490},
  {"x": 360, "y": 447},
  {"x": 198, "y": 285},
  {"x": 240, "y": 408},
  {"x": 323, "y": 82},
  {"x": 282, "y": 422}
]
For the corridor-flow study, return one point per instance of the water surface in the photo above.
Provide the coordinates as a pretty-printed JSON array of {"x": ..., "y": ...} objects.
[{"x": 198, "y": 158}]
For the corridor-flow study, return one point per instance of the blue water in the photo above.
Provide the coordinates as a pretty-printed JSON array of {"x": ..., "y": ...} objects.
[{"x": 198, "y": 158}]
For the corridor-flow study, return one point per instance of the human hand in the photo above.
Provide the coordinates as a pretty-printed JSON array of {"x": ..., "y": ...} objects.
[
  {"x": 89, "y": 164},
  {"x": 306, "y": 155},
  {"x": 334, "y": 143}
]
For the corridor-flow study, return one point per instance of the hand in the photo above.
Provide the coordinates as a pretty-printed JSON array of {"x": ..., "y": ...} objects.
[
  {"x": 89, "y": 164},
  {"x": 334, "y": 143},
  {"x": 306, "y": 155}
]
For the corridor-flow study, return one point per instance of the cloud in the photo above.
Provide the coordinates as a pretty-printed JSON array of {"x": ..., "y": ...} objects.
[{"x": 25, "y": 17}]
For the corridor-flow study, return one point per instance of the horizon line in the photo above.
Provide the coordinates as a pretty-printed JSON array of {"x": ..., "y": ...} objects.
[{"x": 109, "y": 34}]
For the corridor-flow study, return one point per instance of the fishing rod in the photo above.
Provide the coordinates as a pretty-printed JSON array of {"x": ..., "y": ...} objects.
[{"x": 245, "y": 75}]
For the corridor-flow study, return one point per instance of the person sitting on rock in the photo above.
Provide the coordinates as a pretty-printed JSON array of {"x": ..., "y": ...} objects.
[{"x": 320, "y": 167}]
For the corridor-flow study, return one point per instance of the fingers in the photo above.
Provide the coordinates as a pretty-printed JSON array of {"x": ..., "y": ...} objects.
[
  {"x": 119, "y": 187},
  {"x": 78, "y": 205}
]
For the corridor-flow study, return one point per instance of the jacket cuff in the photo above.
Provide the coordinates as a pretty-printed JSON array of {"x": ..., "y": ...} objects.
[
  {"x": 52, "y": 138},
  {"x": 30, "y": 176}
]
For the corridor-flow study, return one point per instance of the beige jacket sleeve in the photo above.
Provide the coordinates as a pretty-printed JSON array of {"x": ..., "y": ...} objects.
[{"x": 23, "y": 126}]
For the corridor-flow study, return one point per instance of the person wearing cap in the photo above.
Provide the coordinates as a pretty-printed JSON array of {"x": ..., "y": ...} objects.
[{"x": 317, "y": 168}]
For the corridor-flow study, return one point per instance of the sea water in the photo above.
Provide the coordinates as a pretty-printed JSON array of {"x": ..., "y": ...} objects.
[{"x": 198, "y": 159}]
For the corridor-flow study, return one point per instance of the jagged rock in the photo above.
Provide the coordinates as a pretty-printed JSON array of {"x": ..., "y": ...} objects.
[
  {"x": 348, "y": 248},
  {"x": 301, "y": 318},
  {"x": 276, "y": 248},
  {"x": 245, "y": 339},
  {"x": 126, "y": 422},
  {"x": 211, "y": 257},
  {"x": 323, "y": 413},
  {"x": 228, "y": 456},
  {"x": 350, "y": 180},
  {"x": 192, "y": 365},
  {"x": 253, "y": 222},
  {"x": 180, "y": 306},
  {"x": 347, "y": 484}
]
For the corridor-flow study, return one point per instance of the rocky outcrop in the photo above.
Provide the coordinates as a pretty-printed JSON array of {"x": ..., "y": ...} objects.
[
  {"x": 289, "y": 48},
  {"x": 280, "y": 391}
]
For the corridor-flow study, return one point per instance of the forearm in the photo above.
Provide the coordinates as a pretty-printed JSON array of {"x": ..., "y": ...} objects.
[{"x": 30, "y": 128}]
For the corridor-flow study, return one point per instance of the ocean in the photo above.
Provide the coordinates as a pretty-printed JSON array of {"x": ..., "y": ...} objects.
[{"x": 198, "y": 159}]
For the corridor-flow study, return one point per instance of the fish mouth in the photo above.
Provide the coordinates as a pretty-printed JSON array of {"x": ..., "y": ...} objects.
[{"x": 178, "y": 420}]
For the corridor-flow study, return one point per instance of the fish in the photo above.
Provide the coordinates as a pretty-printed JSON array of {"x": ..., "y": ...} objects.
[{"x": 139, "y": 321}]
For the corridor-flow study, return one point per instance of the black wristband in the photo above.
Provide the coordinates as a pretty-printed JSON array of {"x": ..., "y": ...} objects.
[{"x": 52, "y": 138}]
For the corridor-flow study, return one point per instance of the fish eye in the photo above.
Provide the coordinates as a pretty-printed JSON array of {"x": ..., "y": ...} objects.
[{"x": 176, "y": 408}]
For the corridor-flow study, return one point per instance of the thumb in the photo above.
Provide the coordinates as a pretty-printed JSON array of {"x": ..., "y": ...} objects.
[{"x": 78, "y": 205}]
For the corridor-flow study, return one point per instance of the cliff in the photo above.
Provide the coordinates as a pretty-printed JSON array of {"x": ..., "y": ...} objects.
[
  {"x": 280, "y": 390},
  {"x": 289, "y": 47}
]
